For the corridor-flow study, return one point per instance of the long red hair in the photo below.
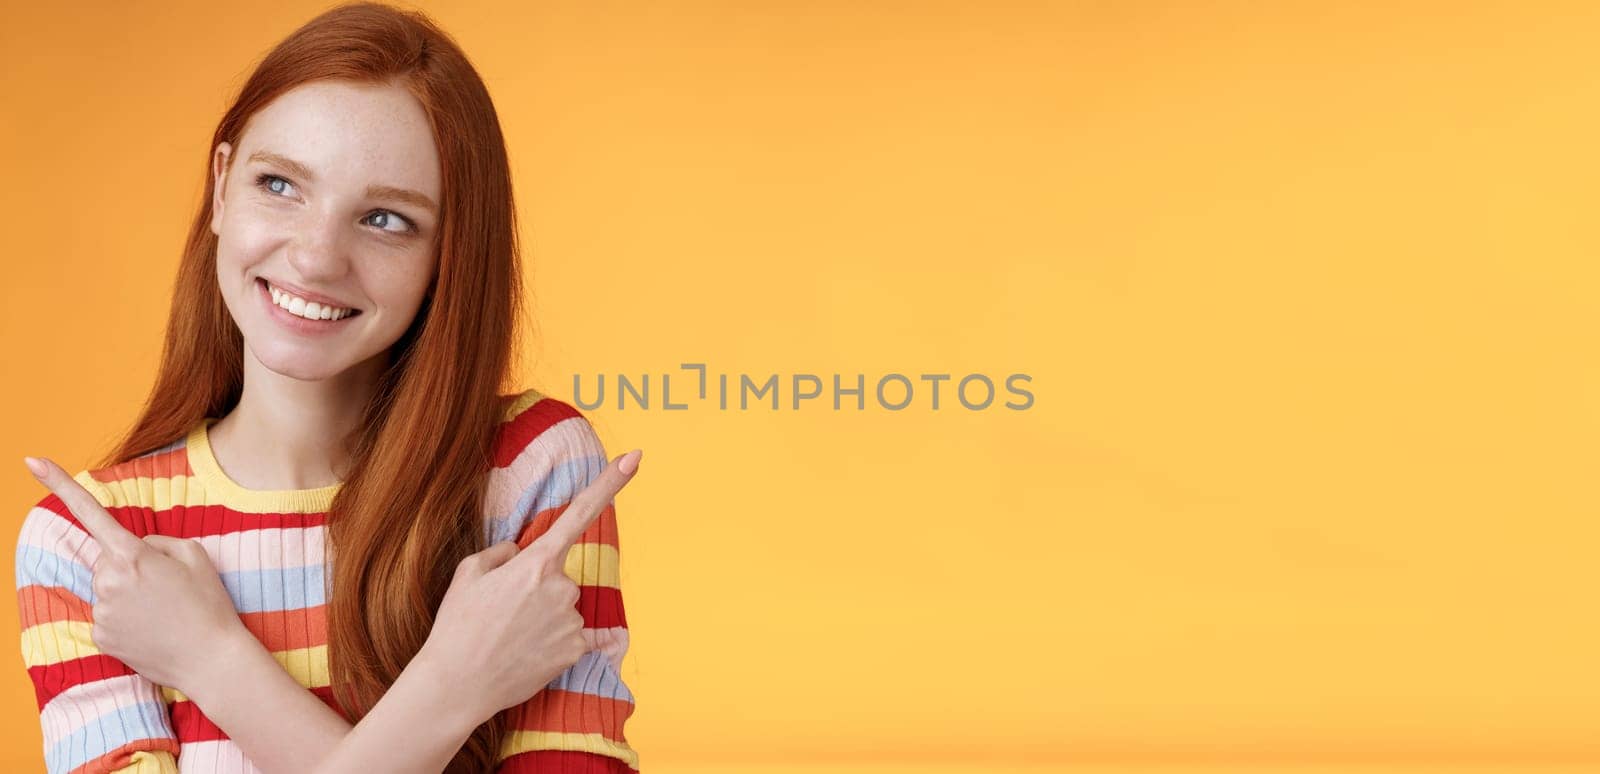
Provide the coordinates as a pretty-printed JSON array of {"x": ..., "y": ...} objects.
[{"x": 410, "y": 508}]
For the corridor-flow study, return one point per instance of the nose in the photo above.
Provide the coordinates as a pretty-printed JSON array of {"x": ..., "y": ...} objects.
[{"x": 319, "y": 253}]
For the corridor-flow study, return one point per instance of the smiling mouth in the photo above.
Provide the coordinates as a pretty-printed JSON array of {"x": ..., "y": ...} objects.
[{"x": 274, "y": 295}]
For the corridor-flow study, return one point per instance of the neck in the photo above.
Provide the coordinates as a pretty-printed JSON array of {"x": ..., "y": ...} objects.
[{"x": 289, "y": 433}]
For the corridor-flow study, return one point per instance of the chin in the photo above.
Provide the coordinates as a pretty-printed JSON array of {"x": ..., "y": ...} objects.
[{"x": 297, "y": 364}]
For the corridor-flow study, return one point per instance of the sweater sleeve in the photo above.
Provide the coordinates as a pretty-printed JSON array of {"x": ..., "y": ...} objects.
[
  {"x": 546, "y": 453},
  {"x": 97, "y": 714}
]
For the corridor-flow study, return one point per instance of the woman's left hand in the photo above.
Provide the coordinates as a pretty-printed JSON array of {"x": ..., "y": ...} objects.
[{"x": 159, "y": 604}]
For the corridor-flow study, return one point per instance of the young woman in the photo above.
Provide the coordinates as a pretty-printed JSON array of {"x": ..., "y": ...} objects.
[{"x": 316, "y": 519}]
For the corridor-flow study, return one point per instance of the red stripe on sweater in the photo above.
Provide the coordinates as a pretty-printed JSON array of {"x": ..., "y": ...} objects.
[
  {"x": 188, "y": 521},
  {"x": 602, "y": 530},
  {"x": 302, "y": 627},
  {"x": 515, "y": 434},
  {"x": 601, "y": 607},
  {"x": 201, "y": 521},
  {"x": 51, "y": 679},
  {"x": 163, "y": 465},
  {"x": 38, "y": 604}
]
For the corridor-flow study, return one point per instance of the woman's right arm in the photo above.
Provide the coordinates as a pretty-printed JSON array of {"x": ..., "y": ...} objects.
[{"x": 416, "y": 727}]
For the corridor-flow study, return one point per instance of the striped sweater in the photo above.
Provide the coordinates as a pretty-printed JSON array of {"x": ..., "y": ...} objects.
[{"x": 99, "y": 716}]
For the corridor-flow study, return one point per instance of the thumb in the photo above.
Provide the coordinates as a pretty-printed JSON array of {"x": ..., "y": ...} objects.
[
  {"x": 498, "y": 554},
  {"x": 162, "y": 543},
  {"x": 175, "y": 547}
]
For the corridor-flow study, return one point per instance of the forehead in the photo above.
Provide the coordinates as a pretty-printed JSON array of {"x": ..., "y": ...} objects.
[{"x": 349, "y": 133}]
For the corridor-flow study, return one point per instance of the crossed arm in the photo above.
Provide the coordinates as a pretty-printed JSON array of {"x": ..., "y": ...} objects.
[
  {"x": 416, "y": 728},
  {"x": 99, "y": 713}
]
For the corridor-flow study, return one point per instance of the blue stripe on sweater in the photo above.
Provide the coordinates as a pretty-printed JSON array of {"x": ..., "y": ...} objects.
[
  {"x": 556, "y": 487},
  {"x": 593, "y": 674},
  {"x": 145, "y": 720}
]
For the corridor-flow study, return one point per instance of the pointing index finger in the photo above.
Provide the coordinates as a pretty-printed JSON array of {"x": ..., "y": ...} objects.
[
  {"x": 586, "y": 506},
  {"x": 99, "y": 523}
]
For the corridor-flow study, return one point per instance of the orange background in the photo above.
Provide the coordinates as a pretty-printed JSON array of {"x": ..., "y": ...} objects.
[{"x": 1307, "y": 294}]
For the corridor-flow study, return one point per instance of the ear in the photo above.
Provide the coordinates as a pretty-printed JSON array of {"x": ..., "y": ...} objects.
[{"x": 220, "y": 164}]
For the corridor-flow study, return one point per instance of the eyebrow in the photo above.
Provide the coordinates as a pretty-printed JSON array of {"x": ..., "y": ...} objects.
[{"x": 387, "y": 192}]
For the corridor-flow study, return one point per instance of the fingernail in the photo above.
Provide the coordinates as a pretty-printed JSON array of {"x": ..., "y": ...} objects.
[
  {"x": 630, "y": 462},
  {"x": 36, "y": 466}
]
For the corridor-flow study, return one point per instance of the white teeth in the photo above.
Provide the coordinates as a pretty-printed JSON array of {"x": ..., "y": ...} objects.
[{"x": 310, "y": 310}]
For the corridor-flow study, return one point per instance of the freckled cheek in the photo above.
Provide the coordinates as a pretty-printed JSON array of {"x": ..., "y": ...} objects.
[
  {"x": 397, "y": 283},
  {"x": 252, "y": 237}
]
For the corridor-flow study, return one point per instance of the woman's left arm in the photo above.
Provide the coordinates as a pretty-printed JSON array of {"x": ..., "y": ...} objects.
[{"x": 578, "y": 723}]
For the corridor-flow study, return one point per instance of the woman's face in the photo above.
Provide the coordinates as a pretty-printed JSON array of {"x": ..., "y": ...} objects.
[{"x": 332, "y": 195}]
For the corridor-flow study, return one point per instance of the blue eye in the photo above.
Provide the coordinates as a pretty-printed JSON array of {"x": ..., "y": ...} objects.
[
  {"x": 273, "y": 184},
  {"x": 406, "y": 226}
]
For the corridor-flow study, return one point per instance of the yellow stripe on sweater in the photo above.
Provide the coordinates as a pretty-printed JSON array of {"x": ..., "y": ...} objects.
[
  {"x": 162, "y": 493},
  {"x": 150, "y": 762},
  {"x": 57, "y": 641},
  {"x": 522, "y": 741},
  {"x": 593, "y": 564}
]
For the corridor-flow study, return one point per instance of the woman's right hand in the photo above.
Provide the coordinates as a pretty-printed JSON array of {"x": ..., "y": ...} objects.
[{"x": 509, "y": 623}]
